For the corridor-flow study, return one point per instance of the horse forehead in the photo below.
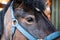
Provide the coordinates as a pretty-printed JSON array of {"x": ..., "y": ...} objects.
[
  {"x": 18, "y": 10},
  {"x": 21, "y": 11}
]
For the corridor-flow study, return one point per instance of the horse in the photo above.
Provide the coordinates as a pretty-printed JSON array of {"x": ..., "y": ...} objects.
[{"x": 31, "y": 16}]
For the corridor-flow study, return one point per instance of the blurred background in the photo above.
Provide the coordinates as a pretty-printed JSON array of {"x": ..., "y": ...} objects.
[
  {"x": 55, "y": 17},
  {"x": 2, "y": 3}
]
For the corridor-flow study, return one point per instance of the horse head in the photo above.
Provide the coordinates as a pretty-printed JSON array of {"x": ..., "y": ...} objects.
[{"x": 30, "y": 15}]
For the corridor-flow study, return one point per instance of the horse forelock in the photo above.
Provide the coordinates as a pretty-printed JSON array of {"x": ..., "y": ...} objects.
[{"x": 32, "y": 4}]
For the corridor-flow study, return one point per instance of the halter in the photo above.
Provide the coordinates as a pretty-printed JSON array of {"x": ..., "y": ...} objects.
[
  {"x": 16, "y": 25},
  {"x": 19, "y": 27}
]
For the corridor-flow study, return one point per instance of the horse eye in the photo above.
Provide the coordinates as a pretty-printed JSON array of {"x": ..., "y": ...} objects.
[{"x": 29, "y": 19}]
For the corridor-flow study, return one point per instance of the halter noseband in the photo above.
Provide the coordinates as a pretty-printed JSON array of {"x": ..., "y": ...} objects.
[{"x": 25, "y": 33}]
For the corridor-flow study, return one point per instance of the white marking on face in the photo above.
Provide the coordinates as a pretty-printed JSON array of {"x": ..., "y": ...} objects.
[{"x": 37, "y": 9}]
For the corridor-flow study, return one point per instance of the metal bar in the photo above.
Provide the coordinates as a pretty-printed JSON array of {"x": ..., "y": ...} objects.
[
  {"x": 53, "y": 11},
  {"x": 56, "y": 14}
]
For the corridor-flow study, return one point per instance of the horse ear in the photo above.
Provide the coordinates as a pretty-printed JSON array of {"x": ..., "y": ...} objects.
[{"x": 48, "y": 9}]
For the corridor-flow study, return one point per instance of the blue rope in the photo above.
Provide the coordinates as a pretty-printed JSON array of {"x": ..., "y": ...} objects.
[{"x": 52, "y": 36}]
